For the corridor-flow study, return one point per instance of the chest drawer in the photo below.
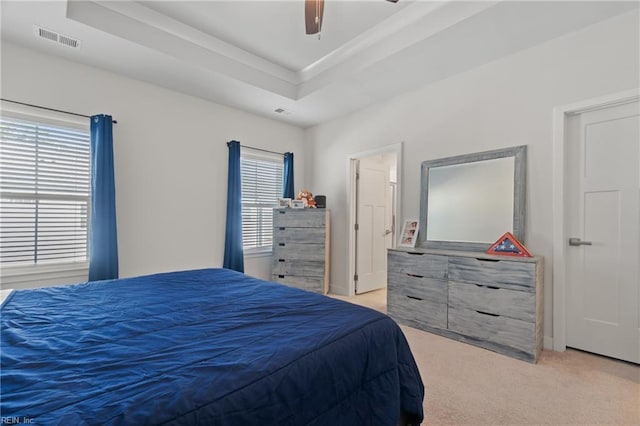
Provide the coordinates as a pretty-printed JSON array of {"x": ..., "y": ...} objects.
[
  {"x": 421, "y": 287},
  {"x": 494, "y": 300},
  {"x": 284, "y": 235},
  {"x": 315, "y": 284},
  {"x": 498, "y": 273},
  {"x": 493, "y": 328},
  {"x": 298, "y": 251},
  {"x": 418, "y": 264},
  {"x": 310, "y": 268},
  {"x": 299, "y": 218},
  {"x": 415, "y": 311}
]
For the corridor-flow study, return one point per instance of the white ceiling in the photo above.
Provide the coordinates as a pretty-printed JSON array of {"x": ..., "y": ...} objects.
[{"x": 255, "y": 55}]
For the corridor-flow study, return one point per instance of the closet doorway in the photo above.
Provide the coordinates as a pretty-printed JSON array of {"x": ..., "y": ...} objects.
[{"x": 373, "y": 201}]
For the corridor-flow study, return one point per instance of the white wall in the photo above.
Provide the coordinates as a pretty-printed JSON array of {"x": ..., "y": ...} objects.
[
  {"x": 170, "y": 158},
  {"x": 505, "y": 103}
]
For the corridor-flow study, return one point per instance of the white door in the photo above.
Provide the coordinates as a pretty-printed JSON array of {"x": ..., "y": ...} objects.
[
  {"x": 603, "y": 296},
  {"x": 373, "y": 204}
]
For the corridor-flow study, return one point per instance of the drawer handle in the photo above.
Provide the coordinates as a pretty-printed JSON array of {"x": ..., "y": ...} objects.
[
  {"x": 415, "y": 253},
  {"x": 281, "y": 260},
  {"x": 281, "y": 211},
  {"x": 281, "y": 244},
  {"x": 487, "y": 313},
  {"x": 280, "y": 276},
  {"x": 281, "y": 228},
  {"x": 488, "y": 286},
  {"x": 488, "y": 260},
  {"x": 414, "y": 298},
  {"x": 416, "y": 276}
]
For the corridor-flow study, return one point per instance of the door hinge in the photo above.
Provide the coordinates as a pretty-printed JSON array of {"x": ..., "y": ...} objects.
[
  {"x": 355, "y": 227},
  {"x": 355, "y": 277},
  {"x": 357, "y": 176}
]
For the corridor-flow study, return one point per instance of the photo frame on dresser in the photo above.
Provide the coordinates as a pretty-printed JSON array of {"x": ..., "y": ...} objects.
[{"x": 409, "y": 233}]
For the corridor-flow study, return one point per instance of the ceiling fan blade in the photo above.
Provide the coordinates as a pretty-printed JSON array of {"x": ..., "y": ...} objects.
[{"x": 313, "y": 11}]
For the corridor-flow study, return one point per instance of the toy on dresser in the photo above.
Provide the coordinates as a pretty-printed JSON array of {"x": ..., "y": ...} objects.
[{"x": 307, "y": 198}]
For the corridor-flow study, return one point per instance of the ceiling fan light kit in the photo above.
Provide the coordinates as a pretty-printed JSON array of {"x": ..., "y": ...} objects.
[{"x": 313, "y": 11}]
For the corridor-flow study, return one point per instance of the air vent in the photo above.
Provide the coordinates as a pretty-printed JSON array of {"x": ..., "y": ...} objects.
[
  {"x": 282, "y": 111},
  {"x": 64, "y": 40}
]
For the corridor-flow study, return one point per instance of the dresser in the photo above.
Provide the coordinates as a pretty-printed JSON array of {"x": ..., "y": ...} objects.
[
  {"x": 490, "y": 301},
  {"x": 301, "y": 248}
]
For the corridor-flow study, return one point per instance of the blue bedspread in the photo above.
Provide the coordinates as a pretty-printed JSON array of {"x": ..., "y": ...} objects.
[{"x": 209, "y": 347}]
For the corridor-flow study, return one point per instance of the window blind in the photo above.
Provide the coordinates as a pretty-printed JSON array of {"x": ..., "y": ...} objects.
[
  {"x": 261, "y": 188},
  {"x": 44, "y": 192}
]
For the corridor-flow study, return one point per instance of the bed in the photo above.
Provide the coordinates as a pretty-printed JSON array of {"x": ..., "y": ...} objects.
[{"x": 209, "y": 347}]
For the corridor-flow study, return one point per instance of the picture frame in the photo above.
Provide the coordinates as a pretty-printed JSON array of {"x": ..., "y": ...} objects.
[
  {"x": 297, "y": 204},
  {"x": 284, "y": 203},
  {"x": 409, "y": 234}
]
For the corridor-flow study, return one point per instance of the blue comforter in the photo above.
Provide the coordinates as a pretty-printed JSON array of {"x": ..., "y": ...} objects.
[{"x": 209, "y": 347}]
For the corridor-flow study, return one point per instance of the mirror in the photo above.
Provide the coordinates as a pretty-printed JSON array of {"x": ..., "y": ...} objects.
[{"x": 467, "y": 202}]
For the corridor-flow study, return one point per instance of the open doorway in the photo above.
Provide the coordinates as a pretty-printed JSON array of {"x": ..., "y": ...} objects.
[{"x": 374, "y": 190}]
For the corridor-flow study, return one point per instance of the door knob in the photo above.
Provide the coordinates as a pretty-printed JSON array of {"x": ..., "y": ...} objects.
[
  {"x": 573, "y": 241},
  {"x": 387, "y": 231}
]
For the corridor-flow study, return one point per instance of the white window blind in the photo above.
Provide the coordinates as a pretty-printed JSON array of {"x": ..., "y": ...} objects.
[
  {"x": 45, "y": 192},
  {"x": 261, "y": 188}
]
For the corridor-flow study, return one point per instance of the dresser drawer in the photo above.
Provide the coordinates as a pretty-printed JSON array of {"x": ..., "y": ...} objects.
[
  {"x": 420, "y": 264},
  {"x": 494, "y": 300},
  {"x": 299, "y": 218},
  {"x": 298, "y": 251},
  {"x": 416, "y": 312},
  {"x": 497, "y": 273},
  {"x": 422, "y": 287},
  {"x": 306, "y": 268},
  {"x": 497, "y": 329},
  {"x": 284, "y": 235},
  {"x": 315, "y": 284}
]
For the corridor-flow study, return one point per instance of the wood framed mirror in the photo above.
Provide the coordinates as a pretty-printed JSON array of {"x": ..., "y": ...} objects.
[{"x": 467, "y": 202}]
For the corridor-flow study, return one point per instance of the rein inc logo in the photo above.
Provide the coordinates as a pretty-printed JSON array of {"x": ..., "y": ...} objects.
[{"x": 17, "y": 420}]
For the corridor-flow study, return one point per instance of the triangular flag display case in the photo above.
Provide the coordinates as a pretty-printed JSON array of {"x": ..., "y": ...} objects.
[{"x": 508, "y": 245}]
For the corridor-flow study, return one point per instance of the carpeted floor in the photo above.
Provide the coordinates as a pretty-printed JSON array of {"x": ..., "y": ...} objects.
[{"x": 466, "y": 385}]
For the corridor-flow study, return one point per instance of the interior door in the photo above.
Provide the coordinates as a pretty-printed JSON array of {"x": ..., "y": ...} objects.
[
  {"x": 604, "y": 219},
  {"x": 374, "y": 224}
]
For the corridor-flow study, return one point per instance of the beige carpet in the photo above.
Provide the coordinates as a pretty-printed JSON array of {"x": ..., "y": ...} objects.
[{"x": 466, "y": 385}]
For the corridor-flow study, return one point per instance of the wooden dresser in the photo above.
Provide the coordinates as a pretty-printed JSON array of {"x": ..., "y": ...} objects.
[
  {"x": 490, "y": 301},
  {"x": 301, "y": 248}
]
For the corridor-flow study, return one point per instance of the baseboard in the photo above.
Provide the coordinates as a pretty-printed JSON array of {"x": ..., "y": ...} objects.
[{"x": 547, "y": 343}]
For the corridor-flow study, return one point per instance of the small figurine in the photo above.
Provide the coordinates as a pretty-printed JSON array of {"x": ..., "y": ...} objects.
[{"x": 307, "y": 198}]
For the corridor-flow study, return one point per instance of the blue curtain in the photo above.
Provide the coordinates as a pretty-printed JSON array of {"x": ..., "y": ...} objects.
[
  {"x": 233, "y": 254},
  {"x": 287, "y": 184},
  {"x": 103, "y": 238}
]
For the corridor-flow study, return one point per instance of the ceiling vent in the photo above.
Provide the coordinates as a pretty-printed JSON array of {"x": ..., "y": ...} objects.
[{"x": 64, "y": 40}]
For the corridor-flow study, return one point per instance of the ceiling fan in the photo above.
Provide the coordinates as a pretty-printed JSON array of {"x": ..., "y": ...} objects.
[{"x": 313, "y": 10}]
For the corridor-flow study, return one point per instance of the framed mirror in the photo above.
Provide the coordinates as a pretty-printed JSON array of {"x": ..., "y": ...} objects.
[{"x": 467, "y": 202}]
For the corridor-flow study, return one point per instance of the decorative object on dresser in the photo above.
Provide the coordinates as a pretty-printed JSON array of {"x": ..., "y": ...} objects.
[
  {"x": 508, "y": 245},
  {"x": 409, "y": 233},
  {"x": 301, "y": 248},
  {"x": 490, "y": 301}
]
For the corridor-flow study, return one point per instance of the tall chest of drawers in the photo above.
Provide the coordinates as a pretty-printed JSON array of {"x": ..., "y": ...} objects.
[
  {"x": 301, "y": 248},
  {"x": 491, "y": 301}
]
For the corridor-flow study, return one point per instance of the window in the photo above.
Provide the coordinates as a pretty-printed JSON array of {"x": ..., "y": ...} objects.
[
  {"x": 261, "y": 188},
  {"x": 44, "y": 192}
]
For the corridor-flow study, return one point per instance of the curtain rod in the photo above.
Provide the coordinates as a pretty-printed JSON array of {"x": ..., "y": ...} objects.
[
  {"x": 51, "y": 109},
  {"x": 260, "y": 149}
]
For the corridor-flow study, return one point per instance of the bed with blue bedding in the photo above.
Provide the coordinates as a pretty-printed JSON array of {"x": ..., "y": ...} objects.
[{"x": 207, "y": 347}]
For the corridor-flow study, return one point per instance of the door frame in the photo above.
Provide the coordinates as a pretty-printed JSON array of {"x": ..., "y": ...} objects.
[
  {"x": 559, "y": 270},
  {"x": 351, "y": 203}
]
